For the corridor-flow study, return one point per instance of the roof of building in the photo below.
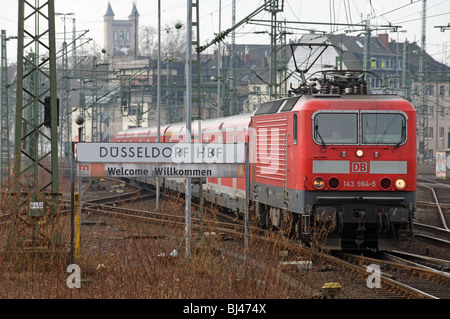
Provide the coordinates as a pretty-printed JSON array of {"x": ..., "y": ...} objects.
[
  {"x": 351, "y": 49},
  {"x": 134, "y": 11},
  {"x": 109, "y": 11}
]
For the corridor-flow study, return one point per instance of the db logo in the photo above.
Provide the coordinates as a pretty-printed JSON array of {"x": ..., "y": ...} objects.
[
  {"x": 359, "y": 167},
  {"x": 84, "y": 169}
]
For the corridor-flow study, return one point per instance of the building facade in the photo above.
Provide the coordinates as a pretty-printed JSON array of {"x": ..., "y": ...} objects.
[{"x": 121, "y": 37}]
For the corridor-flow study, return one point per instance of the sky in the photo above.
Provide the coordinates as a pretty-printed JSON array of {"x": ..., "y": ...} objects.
[{"x": 403, "y": 13}]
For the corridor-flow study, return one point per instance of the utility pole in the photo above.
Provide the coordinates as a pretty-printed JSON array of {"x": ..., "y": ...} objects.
[
  {"x": 274, "y": 7},
  {"x": 233, "y": 83},
  {"x": 192, "y": 22},
  {"x": 82, "y": 107},
  {"x": 196, "y": 62},
  {"x": 74, "y": 49},
  {"x": 158, "y": 98},
  {"x": 219, "y": 65},
  {"x": 94, "y": 108},
  {"x": 36, "y": 184},
  {"x": 198, "y": 99},
  {"x": 66, "y": 112},
  {"x": 283, "y": 57},
  {"x": 423, "y": 107},
  {"x": 366, "y": 57},
  {"x": 406, "y": 82},
  {"x": 188, "y": 138}
]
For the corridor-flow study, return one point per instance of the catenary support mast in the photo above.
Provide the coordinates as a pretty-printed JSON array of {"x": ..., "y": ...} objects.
[{"x": 35, "y": 173}]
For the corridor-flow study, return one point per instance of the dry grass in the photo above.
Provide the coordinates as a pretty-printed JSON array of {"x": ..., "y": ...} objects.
[{"x": 123, "y": 258}]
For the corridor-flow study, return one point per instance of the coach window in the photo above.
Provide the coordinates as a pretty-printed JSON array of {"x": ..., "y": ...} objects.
[
  {"x": 295, "y": 129},
  {"x": 383, "y": 128},
  {"x": 335, "y": 128}
]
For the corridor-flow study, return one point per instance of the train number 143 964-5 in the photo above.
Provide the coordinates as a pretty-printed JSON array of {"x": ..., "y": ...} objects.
[{"x": 360, "y": 183}]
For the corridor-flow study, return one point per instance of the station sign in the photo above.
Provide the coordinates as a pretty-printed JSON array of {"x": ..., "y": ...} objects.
[
  {"x": 217, "y": 153},
  {"x": 159, "y": 170}
]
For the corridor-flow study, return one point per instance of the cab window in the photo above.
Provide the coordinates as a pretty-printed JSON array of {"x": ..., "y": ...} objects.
[
  {"x": 335, "y": 128},
  {"x": 383, "y": 128}
]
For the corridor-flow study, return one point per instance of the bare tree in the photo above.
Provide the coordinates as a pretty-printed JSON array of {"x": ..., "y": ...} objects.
[
  {"x": 173, "y": 41},
  {"x": 148, "y": 40}
]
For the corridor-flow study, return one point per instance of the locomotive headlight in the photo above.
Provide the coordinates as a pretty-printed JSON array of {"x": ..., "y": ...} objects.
[
  {"x": 400, "y": 184},
  {"x": 360, "y": 153},
  {"x": 318, "y": 183}
]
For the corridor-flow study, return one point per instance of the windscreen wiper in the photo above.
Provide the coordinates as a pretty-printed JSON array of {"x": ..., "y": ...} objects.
[
  {"x": 316, "y": 129},
  {"x": 402, "y": 139}
]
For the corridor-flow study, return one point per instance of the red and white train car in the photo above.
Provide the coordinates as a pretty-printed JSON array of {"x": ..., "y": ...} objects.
[{"x": 343, "y": 161}]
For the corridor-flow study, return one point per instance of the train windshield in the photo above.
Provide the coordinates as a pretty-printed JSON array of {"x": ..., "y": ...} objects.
[
  {"x": 383, "y": 128},
  {"x": 336, "y": 128},
  {"x": 364, "y": 127}
]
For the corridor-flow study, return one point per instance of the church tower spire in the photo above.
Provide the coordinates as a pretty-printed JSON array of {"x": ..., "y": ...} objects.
[{"x": 109, "y": 11}]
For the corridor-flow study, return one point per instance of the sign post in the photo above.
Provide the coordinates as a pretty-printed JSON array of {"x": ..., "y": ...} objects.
[
  {"x": 247, "y": 203},
  {"x": 72, "y": 206},
  {"x": 176, "y": 160}
]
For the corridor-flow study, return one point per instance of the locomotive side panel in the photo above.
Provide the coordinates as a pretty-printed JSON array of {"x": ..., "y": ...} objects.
[{"x": 270, "y": 159}]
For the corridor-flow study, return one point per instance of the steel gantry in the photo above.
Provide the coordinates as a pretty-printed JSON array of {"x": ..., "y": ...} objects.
[
  {"x": 36, "y": 187},
  {"x": 5, "y": 154}
]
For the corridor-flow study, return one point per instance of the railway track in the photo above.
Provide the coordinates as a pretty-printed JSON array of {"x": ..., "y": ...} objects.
[
  {"x": 442, "y": 213},
  {"x": 437, "y": 235},
  {"x": 415, "y": 259},
  {"x": 404, "y": 288},
  {"x": 404, "y": 277},
  {"x": 111, "y": 207},
  {"x": 124, "y": 198},
  {"x": 435, "y": 225}
]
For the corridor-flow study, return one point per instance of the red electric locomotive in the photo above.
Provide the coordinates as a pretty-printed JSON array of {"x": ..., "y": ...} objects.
[
  {"x": 331, "y": 163},
  {"x": 346, "y": 160}
]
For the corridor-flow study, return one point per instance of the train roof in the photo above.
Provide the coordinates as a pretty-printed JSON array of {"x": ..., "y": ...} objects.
[
  {"x": 222, "y": 123},
  {"x": 140, "y": 131},
  {"x": 133, "y": 132},
  {"x": 231, "y": 122},
  {"x": 297, "y": 103}
]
